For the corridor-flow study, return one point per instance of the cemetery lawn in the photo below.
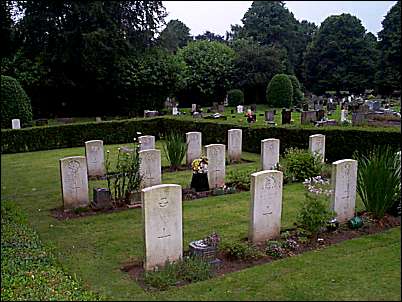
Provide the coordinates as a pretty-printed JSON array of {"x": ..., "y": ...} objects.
[{"x": 94, "y": 248}]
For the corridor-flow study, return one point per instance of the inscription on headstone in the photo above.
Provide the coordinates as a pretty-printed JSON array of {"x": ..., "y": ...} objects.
[
  {"x": 150, "y": 167},
  {"x": 316, "y": 145},
  {"x": 216, "y": 165},
  {"x": 147, "y": 142},
  {"x": 95, "y": 158},
  {"x": 269, "y": 153},
  {"x": 194, "y": 145}
]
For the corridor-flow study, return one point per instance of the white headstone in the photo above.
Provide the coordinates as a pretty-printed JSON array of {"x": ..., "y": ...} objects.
[
  {"x": 147, "y": 142},
  {"x": 175, "y": 111},
  {"x": 193, "y": 107},
  {"x": 98, "y": 119},
  {"x": 269, "y": 153},
  {"x": 150, "y": 167},
  {"x": 234, "y": 145},
  {"x": 316, "y": 145},
  {"x": 194, "y": 146},
  {"x": 74, "y": 182},
  {"x": 95, "y": 158},
  {"x": 163, "y": 230},
  {"x": 239, "y": 109},
  {"x": 15, "y": 123},
  {"x": 343, "y": 182},
  {"x": 266, "y": 205},
  {"x": 344, "y": 115},
  {"x": 216, "y": 165}
]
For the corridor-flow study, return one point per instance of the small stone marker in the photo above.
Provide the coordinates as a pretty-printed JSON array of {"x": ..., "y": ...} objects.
[
  {"x": 147, "y": 142},
  {"x": 95, "y": 158},
  {"x": 216, "y": 165},
  {"x": 269, "y": 153},
  {"x": 194, "y": 145},
  {"x": 344, "y": 115},
  {"x": 150, "y": 167},
  {"x": 266, "y": 205},
  {"x": 343, "y": 182},
  {"x": 15, "y": 123},
  {"x": 163, "y": 225},
  {"x": 239, "y": 109},
  {"x": 175, "y": 111},
  {"x": 316, "y": 145},
  {"x": 74, "y": 182},
  {"x": 98, "y": 119},
  {"x": 234, "y": 145},
  {"x": 193, "y": 107}
]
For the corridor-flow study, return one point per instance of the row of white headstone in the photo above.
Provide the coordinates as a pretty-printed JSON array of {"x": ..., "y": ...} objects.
[{"x": 163, "y": 222}]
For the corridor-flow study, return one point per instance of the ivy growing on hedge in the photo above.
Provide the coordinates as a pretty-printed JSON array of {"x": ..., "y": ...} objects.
[{"x": 340, "y": 142}]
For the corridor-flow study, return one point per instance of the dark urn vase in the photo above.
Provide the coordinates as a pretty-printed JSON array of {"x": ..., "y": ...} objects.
[{"x": 199, "y": 182}]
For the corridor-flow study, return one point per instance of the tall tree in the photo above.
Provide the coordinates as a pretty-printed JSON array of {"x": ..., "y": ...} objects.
[
  {"x": 6, "y": 28},
  {"x": 175, "y": 35},
  {"x": 209, "y": 36},
  {"x": 388, "y": 77},
  {"x": 339, "y": 56}
]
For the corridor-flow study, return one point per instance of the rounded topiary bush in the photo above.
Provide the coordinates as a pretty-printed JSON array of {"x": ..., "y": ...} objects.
[
  {"x": 298, "y": 96},
  {"x": 15, "y": 103},
  {"x": 235, "y": 97},
  {"x": 280, "y": 91}
]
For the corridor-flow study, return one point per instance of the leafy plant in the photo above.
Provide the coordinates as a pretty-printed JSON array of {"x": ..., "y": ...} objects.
[
  {"x": 274, "y": 249},
  {"x": 175, "y": 148},
  {"x": 240, "y": 178},
  {"x": 240, "y": 251},
  {"x": 315, "y": 213},
  {"x": 298, "y": 164},
  {"x": 378, "y": 179},
  {"x": 280, "y": 91},
  {"x": 188, "y": 269},
  {"x": 235, "y": 97}
]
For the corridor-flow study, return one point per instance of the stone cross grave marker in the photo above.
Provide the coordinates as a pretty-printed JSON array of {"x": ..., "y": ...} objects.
[
  {"x": 15, "y": 123},
  {"x": 74, "y": 182},
  {"x": 194, "y": 145},
  {"x": 216, "y": 165},
  {"x": 163, "y": 224},
  {"x": 269, "y": 153},
  {"x": 343, "y": 183},
  {"x": 95, "y": 158},
  {"x": 150, "y": 167},
  {"x": 234, "y": 145},
  {"x": 147, "y": 142},
  {"x": 316, "y": 145},
  {"x": 266, "y": 205}
]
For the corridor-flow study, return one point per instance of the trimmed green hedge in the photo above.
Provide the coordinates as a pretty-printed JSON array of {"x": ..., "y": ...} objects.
[{"x": 340, "y": 142}]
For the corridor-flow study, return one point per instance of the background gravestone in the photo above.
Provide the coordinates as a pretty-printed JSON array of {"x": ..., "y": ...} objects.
[
  {"x": 316, "y": 145},
  {"x": 216, "y": 165},
  {"x": 150, "y": 167},
  {"x": 15, "y": 123},
  {"x": 74, "y": 182},
  {"x": 147, "y": 142},
  {"x": 269, "y": 116},
  {"x": 163, "y": 225},
  {"x": 269, "y": 153},
  {"x": 95, "y": 158},
  {"x": 234, "y": 145},
  {"x": 194, "y": 146},
  {"x": 343, "y": 182},
  {"x": 286, "y": 116},
  {"x": 266, "y": 205},
  {"x": 306, "y": 117}
]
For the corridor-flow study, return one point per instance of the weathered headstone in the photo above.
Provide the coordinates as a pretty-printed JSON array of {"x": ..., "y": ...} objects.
[
  {"x": 98, "y": 119},
  {"x": 344, "y": 115},
  {"x": 15, "y": 123},
  {"x": 175, "y": 111},
  {"x": 269, "y": 153},
  {"x": 286, "y": 116},
  {"x": 343, "y": 182},
  {"x": 194, "y": 145},
  {"x": 147, "y": 142},
  {"x": 239, "y": 109},
  {"x": 193, "y": 107},
  {"x": 316, "y": 145},
  {"x": 74, "y": 182},
  {"x": 234, "y": 145},
  {"x": 376, "y": 105},
  {"x": 359, "y": 118},
  {"x": 266, "y": 205},
  {"x": 269, "y": 116},
  {"x": 221, "y": 108},
  {"x": 95, "y": 158},
  {"x": 216, "y": 165},
  {"x": 163, "y": 225},
  {"x": 150, "y": 167},
  {"x": 306, "y": 117}
]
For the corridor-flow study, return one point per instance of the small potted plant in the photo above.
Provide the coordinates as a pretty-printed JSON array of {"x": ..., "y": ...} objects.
[{"x": 199, "y": 180}]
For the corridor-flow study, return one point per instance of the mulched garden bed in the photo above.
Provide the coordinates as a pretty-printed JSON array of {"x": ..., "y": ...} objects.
[{"x": 227, "y": 265}]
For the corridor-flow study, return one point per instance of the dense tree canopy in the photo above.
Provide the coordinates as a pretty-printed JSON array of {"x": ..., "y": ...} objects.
[
  {"x": 339, "y": 56},
  {"x": 388, "y": 76},
  {"x": 175, "y": 35}
]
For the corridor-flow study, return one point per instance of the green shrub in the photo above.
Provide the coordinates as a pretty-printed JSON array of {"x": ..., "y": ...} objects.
[
  {"x": 298, "y": 164},
  {"x": 240, "y": 251},
  {"x": 189, "y": 269},
  {"x": 280, "y": 91},
  {"x": 15, "y": 103},
  {"x": 29, "y": 271},
  {"x": 175, "y": 148},
  {"x": 298, "y": 96},
  {"x": 235, "y": 97},
  {"x": 241, "y": 179},
  {"x": 378, "y": 179},
  {"x": 315, "y": 213}
]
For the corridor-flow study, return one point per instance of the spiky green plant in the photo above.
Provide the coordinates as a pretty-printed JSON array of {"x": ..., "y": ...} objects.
[
  {"x": 378, "y": 179},
  {"x": 175, "y": 148}
]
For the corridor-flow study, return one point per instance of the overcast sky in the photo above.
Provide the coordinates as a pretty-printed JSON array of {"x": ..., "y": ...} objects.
[{"x": 216, "y": 16}]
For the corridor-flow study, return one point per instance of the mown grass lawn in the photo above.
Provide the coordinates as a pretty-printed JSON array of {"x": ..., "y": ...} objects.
[{"x": 94, "y": 248}]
